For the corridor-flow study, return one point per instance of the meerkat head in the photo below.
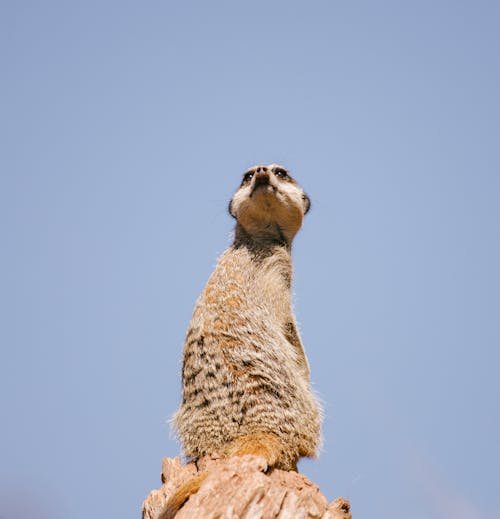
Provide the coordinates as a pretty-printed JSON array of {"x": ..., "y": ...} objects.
[{"x": 269, "y": 203}]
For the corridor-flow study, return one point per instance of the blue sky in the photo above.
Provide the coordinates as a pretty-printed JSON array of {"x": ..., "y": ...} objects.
[{"x": 125, "y": 127}]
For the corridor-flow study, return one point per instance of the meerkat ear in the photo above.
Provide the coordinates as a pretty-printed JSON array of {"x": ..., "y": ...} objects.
[
  {"x": 307, "y": 202},
  {"x": 230, "y": 208}
]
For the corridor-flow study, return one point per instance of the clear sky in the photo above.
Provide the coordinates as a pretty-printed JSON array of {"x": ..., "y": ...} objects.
[{"x": 124, "y": 129}]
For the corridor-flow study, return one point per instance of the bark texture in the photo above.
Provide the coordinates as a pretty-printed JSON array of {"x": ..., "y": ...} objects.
[{"x": 239, "y": 488}]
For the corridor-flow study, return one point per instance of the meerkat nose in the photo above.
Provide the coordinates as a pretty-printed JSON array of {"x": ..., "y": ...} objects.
[{"x": 261, "y": 177}]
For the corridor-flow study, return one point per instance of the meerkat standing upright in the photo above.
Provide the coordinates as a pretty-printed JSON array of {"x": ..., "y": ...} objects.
[{"x": 245, "y": 375}]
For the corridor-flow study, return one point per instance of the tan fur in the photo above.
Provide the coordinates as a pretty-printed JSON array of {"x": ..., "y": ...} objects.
[
  {"x": 245, "y": 374},
  {"x": 181, "y": 496}
]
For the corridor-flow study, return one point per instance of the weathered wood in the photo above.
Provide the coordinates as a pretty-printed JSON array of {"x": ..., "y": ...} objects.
[{"x": 240, "y": 488}]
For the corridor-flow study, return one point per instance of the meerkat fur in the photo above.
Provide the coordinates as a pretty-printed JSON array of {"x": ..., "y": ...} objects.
[{"x": 245, "y": 374}]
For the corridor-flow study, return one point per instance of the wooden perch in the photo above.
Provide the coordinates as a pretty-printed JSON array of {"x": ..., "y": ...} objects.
[{"x": 240, "y": 488}]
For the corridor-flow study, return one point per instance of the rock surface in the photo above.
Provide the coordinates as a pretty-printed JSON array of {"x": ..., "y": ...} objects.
[{"x": 239, "y": 488}]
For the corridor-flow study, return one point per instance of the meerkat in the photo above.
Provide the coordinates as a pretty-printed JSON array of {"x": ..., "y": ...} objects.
[{"x": 245, "y": 375}]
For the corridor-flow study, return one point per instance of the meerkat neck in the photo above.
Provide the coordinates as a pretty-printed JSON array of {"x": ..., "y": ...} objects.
[{"x": 263, "y": 242}]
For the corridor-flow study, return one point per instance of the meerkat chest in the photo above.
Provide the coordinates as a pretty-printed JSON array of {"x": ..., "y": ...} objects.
[{"x": 240, "y": 284}]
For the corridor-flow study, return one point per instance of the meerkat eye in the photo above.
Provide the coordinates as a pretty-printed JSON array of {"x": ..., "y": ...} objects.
[
  {"x": 280, "y": 173},
  {"x": 247, "y": 177}
]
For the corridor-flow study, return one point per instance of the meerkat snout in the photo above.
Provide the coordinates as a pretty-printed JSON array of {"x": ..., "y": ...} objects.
[{"x": 261, "y": 178}]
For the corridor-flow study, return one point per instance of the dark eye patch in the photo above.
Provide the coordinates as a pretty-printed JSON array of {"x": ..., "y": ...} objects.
[
  {"x": 247, "y": 177},
  {"x": 281, "y": 173}
]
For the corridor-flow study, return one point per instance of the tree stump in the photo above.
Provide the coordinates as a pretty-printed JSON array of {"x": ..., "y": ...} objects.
[{"x": 240, "y": 488}]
